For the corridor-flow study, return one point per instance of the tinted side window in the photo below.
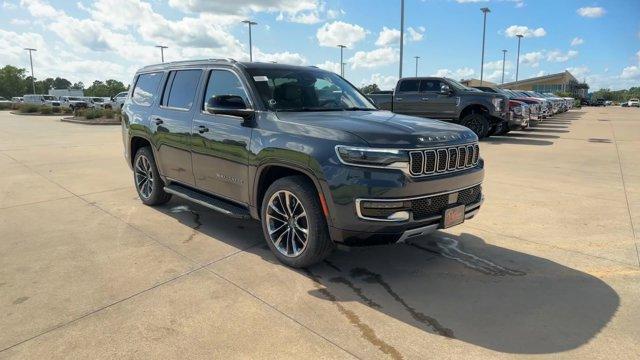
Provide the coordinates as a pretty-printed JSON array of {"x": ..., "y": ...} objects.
[
  {"x": 146, "y": 87},
  {"x": 183, "y": 86},
  {"x": 222, "y": 82},
  {"x": 409, "y": 85},
  {"x": 430, "y": 85}
]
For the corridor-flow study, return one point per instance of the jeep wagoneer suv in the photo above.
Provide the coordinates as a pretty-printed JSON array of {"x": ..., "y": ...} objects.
[{"x": 301, "y": 150}]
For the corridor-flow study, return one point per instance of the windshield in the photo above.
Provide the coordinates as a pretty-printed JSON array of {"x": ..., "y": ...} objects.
[
  {"x": 48, "y": 97},
  {"x": 307, "y": 90},
  {"x": 98, "y": 100},
  {"x": 459, "y": 86}
]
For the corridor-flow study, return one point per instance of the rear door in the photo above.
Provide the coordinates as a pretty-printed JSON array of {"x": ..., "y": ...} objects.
[
  {"x": 171, "y": 122},
  {"x": 436, "y": 105},
  {"x": 220, "y": 143},
  {"x": 407, "y": 97}
]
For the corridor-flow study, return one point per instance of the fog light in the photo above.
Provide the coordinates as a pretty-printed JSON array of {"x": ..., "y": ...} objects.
[{"x": 399, "y": 216}]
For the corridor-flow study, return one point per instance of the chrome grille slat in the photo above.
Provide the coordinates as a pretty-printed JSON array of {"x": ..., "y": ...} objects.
[{"x": 443, "y": 160}]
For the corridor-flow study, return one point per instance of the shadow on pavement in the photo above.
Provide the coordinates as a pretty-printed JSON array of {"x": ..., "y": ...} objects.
[{"x": 453, "y": 286}]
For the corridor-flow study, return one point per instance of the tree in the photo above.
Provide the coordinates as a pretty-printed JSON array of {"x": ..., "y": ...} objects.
[
  {"x": 79, "y": 85},
  {"x": 61, "y": 83},
  {"x": 108, "y": 88},
  {"x": 13, "y": 82},
  {"x": 43, "y": 86},
  {"x": 368, "y": 89}
]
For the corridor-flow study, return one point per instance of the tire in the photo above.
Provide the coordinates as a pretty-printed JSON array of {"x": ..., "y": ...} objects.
[
  {"x": 283, "y": 235},
  {"x": 150, "y": 192},
  {"x": 502, "y": 129},
  {"x": 477, "y": 123}
]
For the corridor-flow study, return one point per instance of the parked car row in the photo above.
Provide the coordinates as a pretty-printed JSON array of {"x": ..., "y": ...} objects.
[
  {"x": 485, "y": 110},
  {"x": 631, "y": 103},
  {"x": 73, "y": 102}
]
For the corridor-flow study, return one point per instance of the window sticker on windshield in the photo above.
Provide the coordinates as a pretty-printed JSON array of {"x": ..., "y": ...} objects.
[{"x": 260, "y": 78}]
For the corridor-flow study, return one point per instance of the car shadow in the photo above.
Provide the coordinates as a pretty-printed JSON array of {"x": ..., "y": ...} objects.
[
  {"x": 515, "y": 140},
  {"x": 453, "y": 286}
]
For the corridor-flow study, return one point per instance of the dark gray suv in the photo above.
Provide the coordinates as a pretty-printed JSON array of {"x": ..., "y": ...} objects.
[{"x": 300, "y": 149}]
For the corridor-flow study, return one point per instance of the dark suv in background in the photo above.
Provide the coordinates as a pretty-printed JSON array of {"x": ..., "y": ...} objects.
[{"x": 300, "y": 149}]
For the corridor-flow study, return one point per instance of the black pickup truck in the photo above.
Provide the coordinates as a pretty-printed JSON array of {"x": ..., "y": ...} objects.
[{"x": 446, "y": 99}]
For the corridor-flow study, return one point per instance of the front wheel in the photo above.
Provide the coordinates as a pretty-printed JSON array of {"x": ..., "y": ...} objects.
[
  {"x": 147, "y": 179},
  {"x": 477, "y": 123},
  {"x": 293, "y": 223}
]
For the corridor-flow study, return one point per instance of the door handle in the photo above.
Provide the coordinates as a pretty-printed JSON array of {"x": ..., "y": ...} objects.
[
  {"x": 202, "y": 129},
  {"x": 425, "y": 99},
  {"x": 158, "y": 121},
  {"x": 398, "y": 99}
]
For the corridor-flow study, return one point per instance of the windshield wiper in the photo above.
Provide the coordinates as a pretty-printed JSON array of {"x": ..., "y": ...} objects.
[{"x": 355, "y": 108}]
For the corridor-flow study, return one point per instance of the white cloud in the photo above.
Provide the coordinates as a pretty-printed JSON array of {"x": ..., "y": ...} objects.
[
  {"x": 384, "y": 82},
  {"x": 462, "y": 73},
  {"x": 243, "y": 7},
  {"x": 630, "y": 72},
  {"x": 330, "y": 66},
  {"x": 579, "y": 71},
  {"x": 559, "y": 56},
  {"x": 591, "y": 12},
  {"x": 416, "y": 35},
  {"x": 40, "y": 9},
  {"x": 514, "y": 30},
  {"x": 541, "y": 73},
  {"x": 280, "y": 58},
  {"x": 470, "y": 1},
  {"x": 532, "y": 58},
  {"x": 577, "y": 41},
  {"x": 388, "y": 37},
  {"x": 638, "y": 55},
  {"x": 340, "y": 33},
  {"x": 374, "y": 58},
  {"x": 7, "y": 5},
  {"x": 19, "y": 22}
]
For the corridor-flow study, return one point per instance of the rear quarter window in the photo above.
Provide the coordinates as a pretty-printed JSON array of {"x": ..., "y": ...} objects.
[
  {"x": 146, "y": 88},
  {"x": 409, "y": 85}
]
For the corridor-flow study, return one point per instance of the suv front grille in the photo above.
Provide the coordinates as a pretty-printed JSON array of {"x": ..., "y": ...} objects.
[
  {"x": 435, "y": 205},
  {"x": 443, "y": 160}
]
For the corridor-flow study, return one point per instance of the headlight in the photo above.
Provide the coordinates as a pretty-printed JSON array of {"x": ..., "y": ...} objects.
[
  {"x": 518, "y": 110},
  {"x": 373, "y": 157},
  {"x": 497, "y": 103}
]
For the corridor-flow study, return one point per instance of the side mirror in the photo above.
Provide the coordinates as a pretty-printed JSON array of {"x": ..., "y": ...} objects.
[
  {"x": 231, "y": 105},
  {"x": 445, "y": 89}
]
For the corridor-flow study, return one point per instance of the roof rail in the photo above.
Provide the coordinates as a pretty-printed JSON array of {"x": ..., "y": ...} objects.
[{"x": 187, "y": 62}]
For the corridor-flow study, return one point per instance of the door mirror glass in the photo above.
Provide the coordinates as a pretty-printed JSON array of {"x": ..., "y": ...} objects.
[
  {"x": 233, "y": 105},
  {"x": 445, "y": 89}
]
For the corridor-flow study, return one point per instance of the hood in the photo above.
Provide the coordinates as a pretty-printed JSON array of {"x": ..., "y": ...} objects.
[{"x": 384, "y": 128}]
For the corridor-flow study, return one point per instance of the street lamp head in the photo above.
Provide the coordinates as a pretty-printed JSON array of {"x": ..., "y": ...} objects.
[
  {"x": 342, "y": 46},
  {"x": 249, "y": 22},
  {"x": 162, "y": 46},
  {"x": 485, "y": 10},
  {"x": 30, "y": 49},
  {"x": 520, "y": 35},
  {"x": 504, "y": 51}
]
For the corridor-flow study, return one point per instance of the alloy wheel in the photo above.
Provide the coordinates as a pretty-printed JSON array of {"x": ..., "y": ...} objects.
[
  {"x": 144, "y": 176},
  {"x": 287, "y": 223}
]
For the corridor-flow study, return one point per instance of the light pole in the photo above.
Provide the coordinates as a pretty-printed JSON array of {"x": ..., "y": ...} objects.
[
  {"x": 484, "y": 10},
  {"x": 250, "y": 23},
  {"x": 504, "y": 56},
  {"x": 162, "y": 47},
  {"x": 416, "y": 57},
  {"x": 401, "y": 36},
  {"x": 518, "y": 59},
  {"x": 33, "y": 79},
  {"x": 341, "y": 61}
]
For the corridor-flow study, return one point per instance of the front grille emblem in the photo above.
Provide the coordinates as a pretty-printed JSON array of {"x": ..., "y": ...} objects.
[{"x": 453, "y": 198}]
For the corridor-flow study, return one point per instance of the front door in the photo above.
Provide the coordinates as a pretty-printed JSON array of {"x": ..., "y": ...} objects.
[
  {"x": 406, "y": 98},
  {"x": 220, "y": 143},
  {"x": 172, "y": 121},
  {"x": 436, "y": 104}
]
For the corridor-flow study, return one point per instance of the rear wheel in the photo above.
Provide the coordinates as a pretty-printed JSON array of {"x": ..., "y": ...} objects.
[
  {"x": 502, "y": 128},
  {"x": 478, "y": 123},
  {"x": 293, "y": 223},
  {"x": 147, "y": 179}
]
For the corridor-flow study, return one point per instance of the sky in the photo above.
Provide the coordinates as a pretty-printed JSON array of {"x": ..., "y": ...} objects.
[{"x": 597, "y": 41}]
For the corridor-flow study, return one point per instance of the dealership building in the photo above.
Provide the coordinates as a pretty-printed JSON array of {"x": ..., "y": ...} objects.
[{"x": 560, "y": 82}]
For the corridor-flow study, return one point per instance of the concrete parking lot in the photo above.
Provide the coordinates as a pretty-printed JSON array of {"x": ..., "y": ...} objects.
[{"x": 549, "y": 267}]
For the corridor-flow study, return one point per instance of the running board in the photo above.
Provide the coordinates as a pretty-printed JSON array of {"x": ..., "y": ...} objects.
[{"x": 208, "y": 201}]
